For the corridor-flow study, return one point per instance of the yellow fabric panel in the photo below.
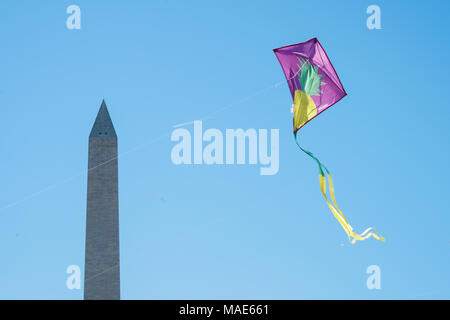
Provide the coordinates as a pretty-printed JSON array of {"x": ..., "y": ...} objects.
[{"x": 304, "y": 109}]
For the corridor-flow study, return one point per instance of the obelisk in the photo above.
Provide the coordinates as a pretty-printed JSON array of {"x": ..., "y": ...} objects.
[{"x": 102, "y": 264}]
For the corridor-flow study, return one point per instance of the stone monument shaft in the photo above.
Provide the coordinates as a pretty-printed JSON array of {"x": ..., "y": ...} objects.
[{"x": 102, "y": 264}]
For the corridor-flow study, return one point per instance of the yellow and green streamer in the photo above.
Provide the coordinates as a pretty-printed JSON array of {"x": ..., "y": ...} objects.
[{"x": 324, "y": 173}]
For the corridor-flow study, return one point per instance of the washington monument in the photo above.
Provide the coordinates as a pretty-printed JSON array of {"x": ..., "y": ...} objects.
[{"x": 102, "y": 264}]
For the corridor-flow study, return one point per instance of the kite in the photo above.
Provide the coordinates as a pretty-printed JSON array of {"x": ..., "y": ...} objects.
[{"x": 315, "y": 86}]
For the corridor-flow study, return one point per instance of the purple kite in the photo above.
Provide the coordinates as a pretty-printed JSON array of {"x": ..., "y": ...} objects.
[{"x": 315, "y": 86}]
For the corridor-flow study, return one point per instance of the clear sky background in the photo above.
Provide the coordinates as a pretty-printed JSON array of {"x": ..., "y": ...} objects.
[{"x": 223, "y": 232}]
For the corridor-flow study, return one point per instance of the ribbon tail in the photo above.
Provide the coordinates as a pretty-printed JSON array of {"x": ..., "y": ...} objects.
[{"x": 324, "y": 173}]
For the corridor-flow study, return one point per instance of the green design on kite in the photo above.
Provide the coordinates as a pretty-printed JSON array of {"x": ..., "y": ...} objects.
[{"x": 309, "y": 78}]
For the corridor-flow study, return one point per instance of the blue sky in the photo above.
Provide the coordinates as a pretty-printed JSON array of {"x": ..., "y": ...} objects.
[{"x": 226, "y": 232}]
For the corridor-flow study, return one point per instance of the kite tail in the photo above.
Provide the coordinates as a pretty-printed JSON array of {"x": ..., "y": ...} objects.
[{"x": 323, "y": 175}]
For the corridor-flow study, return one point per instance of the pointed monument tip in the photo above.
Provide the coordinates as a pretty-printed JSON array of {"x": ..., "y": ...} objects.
[{"x": 103, "y": 126}]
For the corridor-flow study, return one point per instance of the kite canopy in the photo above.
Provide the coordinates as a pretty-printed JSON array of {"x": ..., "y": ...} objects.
[{"x": 312, "y": 80}]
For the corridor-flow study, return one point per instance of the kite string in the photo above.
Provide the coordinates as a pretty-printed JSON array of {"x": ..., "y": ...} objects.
[
  {"x": 207, "y": 117},
  {"x": 64, "y": 181}
]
